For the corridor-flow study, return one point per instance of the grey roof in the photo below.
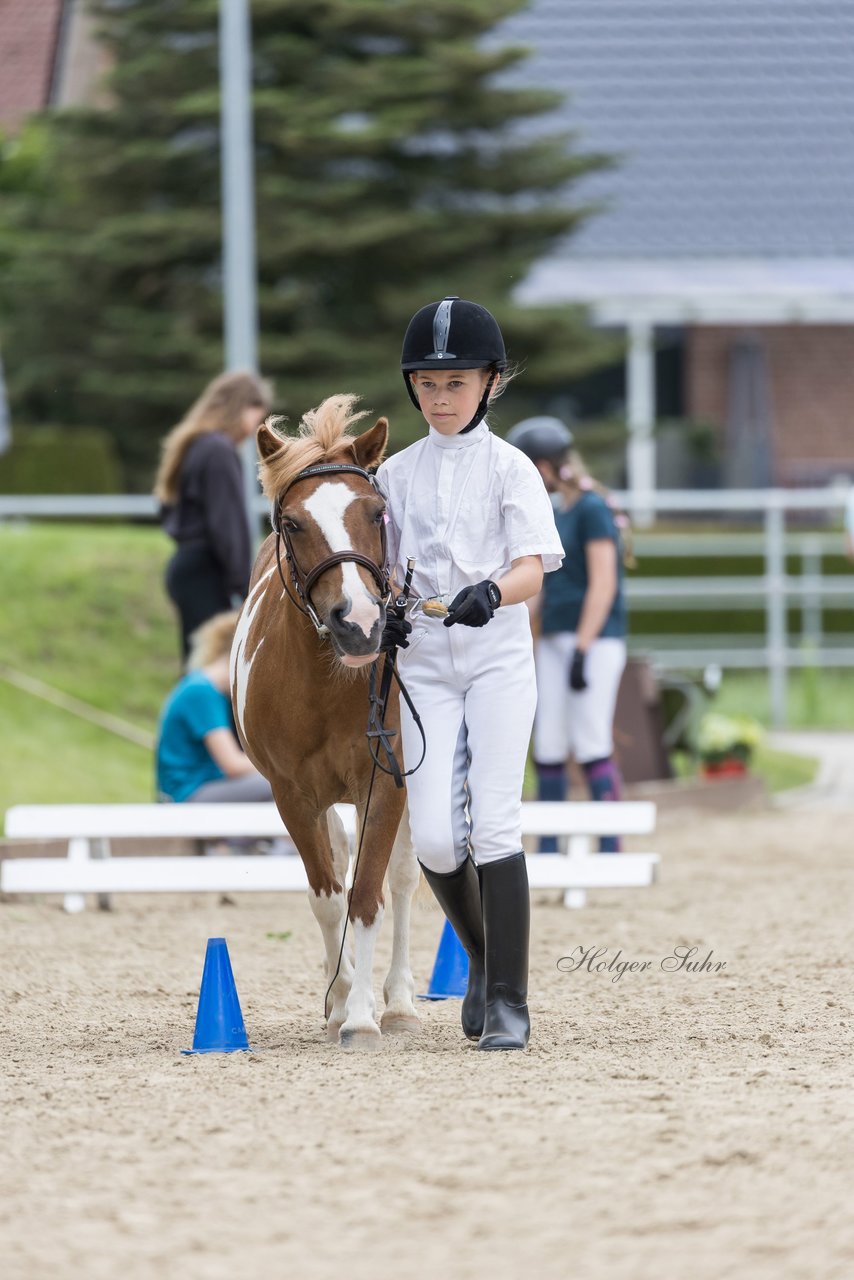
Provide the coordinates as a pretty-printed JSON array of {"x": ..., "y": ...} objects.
[
  {"x": 711, "y": 290},
  {"x": 734, "y": 120}
]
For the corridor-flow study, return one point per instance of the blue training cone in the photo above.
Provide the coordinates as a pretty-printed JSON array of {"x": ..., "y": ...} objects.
[
  {"x": 219, "y": 1022},
  {"x": 451, "y": 970}
]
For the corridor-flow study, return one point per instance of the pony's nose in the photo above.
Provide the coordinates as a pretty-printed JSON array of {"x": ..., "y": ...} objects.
[
  {"x": 339, "y": 616},
  {"x": 355, "y": 624}
]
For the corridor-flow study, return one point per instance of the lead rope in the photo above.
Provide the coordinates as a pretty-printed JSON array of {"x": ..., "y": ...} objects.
[{"x": 377, "y": 729}]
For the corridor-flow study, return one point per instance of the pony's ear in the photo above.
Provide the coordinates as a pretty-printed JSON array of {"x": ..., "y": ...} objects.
[
  {"x": 369, "y": 447},
  {"x": 268, "y": 441}
]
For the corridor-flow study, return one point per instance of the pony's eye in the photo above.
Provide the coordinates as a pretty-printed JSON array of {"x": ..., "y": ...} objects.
[
  {"x": 290, "y": 525},
  {"x": 379, "y": 517}
]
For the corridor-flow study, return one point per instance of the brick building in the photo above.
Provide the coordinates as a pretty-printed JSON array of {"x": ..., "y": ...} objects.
[
  {"x": 727, "y": 226},
  {"x": 48, "y": 57}
]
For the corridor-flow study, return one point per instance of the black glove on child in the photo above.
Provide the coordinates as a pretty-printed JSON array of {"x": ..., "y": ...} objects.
[
  {"x": 394, "y": 633},
  {"x": 576, "y": 671},
  {"x": 474, "y": 606}
]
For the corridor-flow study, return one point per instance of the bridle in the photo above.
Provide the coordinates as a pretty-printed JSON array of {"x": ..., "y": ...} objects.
[
  {"x": 304, "y": 582},
  {"x": 379, "y": 737}
]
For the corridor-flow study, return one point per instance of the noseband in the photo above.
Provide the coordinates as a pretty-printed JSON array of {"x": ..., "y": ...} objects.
[{"x": 304, "y": 582}]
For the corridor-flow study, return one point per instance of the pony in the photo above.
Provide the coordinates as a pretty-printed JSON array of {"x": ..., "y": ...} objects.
[{"x": 299, "y": 671}]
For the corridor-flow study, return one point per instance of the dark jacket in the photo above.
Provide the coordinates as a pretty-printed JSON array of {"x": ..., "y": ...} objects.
[{"x": 211, "y": 508}]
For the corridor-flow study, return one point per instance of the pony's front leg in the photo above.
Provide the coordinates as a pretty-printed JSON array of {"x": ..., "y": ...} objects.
[
  {"x": 399, "y": 987},
  {"x": 330, "y": 912},
  {"x": 360, "y": 1030},
  {"x": 323, "y": 847}
]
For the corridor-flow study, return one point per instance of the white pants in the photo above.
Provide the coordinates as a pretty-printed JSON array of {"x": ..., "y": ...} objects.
[
  {"x": 475, "y": 691},
  {"x": 576, "y": 724}
]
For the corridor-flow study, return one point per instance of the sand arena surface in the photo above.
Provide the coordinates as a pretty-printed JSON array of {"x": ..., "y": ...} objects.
[{"x": 666, "y": 1124}]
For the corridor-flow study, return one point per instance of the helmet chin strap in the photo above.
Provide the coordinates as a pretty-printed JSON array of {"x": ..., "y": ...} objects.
[{"x": 483, "y": 406}]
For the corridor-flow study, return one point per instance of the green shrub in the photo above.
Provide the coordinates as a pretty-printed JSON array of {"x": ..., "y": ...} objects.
[{"x": 60, "y": 460}]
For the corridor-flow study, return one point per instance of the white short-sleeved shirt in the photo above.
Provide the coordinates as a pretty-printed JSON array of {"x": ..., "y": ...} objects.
[{"x": 465, "y": 507}]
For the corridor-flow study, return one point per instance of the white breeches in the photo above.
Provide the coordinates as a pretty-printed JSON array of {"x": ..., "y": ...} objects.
[
  {"x": 476, "y": 694},
  {"x": 576, "y": 724}
]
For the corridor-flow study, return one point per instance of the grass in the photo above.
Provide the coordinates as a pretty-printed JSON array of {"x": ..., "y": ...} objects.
[
  {"x": 781, "y": 770},
  {"x": 816, "y": 699},
  {"x": 50, "y": 757},
  {"x": 84, "y": 610}
]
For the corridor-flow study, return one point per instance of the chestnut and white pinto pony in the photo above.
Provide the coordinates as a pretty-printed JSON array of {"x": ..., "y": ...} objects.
[{"x": 299, "y": 684}]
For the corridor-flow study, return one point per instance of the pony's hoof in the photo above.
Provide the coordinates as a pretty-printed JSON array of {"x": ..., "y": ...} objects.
[
  {"x": 396, "y": 1024},
  {"x": 333, "y": 1030},
  {"x": 361, "y": 1039}
]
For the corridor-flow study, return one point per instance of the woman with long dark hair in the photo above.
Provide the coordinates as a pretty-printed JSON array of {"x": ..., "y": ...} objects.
[{"x": 200, "y": 486}]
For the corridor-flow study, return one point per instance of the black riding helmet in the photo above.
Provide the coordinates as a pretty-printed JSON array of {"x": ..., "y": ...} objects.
[
  {"x": 454, "y": 334},
  {"x": 542, "y": 439}
]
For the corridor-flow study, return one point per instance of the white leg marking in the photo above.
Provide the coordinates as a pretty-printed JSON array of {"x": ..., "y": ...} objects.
[
  {"x": 239, "y": 664},
  {"x": 360, "y": 1024},
  {"x": 330, "y": 914},
  {"x": 399, "y": 986},
  {"x": 327, "y": 506}
]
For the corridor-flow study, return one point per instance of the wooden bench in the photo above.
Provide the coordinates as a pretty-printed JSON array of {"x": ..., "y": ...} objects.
[{"x": 88, "y": 866}]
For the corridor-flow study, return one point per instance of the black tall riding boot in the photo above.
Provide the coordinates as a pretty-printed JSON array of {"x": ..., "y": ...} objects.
[
  {"x": 458, "y": 894},
  {"x": 506, "y": 922}
]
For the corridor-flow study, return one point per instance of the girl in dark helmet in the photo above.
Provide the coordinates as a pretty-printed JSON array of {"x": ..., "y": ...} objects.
[
  {"x": 473, "y": 514},
  {"x": 581, "y": 651}
]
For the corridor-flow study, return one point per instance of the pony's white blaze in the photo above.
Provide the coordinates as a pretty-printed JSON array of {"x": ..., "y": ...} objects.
[
  {"x": 327, "y": 506},
  {"x": 239, "y": 664}
]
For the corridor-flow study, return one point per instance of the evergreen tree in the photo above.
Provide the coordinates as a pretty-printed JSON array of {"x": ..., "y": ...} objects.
[{"x": 390, "y": 171}]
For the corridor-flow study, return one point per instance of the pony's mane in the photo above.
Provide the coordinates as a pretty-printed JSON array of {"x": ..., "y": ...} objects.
[{"x": 324, "y": 436}]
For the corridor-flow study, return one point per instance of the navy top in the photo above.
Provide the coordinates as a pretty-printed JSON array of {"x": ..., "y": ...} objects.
[
  {"x": 193, "y": 709},
  {"x": 590, "y": 519},
  {"x": 211, "y": 508}
]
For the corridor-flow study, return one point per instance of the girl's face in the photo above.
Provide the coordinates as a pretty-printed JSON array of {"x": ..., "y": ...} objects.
[{"x": 449, "y": 398}]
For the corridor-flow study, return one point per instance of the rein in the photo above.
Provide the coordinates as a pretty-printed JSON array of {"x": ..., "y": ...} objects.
[{"x": 377, "y": 732}]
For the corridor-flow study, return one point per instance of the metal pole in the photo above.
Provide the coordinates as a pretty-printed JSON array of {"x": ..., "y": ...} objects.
[
  {"x": 640, "y": 415},
  {"x": 811, "y": 585},
  {"x": 775, "y": 606},
  {"x": 240, "y": 302}
]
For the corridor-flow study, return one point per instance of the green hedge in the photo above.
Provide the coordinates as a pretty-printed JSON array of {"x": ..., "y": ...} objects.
[{"x": 57, "y": 460}]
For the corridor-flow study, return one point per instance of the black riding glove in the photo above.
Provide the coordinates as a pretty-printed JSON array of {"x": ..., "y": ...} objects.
[
  {"x": 474, "y": 606},
  {"x": 576, "y": 671},
  {"x": 394, "y": 633}
]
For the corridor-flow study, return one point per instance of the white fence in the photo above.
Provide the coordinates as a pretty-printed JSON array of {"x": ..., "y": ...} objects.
[
  {"x": 774, "y": 591},
  {"x": 89, "y": 868}
]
